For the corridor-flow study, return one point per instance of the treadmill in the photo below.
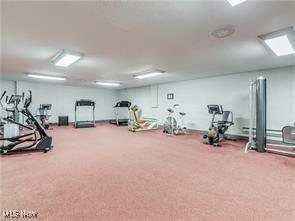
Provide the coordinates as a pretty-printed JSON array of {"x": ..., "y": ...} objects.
[
  {"x": 85, "y": 124},
  {"x": 121, "y": 121}
]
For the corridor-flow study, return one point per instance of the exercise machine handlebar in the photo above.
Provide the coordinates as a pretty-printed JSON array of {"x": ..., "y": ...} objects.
[{"x": 3, "y": 94}]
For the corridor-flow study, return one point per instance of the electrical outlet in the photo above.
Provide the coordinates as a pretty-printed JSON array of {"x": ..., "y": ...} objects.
[{"x": 170, "y": 96}]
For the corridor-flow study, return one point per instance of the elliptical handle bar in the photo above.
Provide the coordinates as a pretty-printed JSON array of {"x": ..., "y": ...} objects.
[
  {"x": 28, "y": 100},
  {"x": 4, "y": 92}
]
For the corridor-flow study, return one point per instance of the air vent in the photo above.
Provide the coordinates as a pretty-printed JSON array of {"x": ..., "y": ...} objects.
[{"x": 224, "y": 31}]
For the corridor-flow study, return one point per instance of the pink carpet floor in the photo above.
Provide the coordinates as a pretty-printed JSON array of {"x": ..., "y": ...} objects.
[{"x": 108, "y": 173}]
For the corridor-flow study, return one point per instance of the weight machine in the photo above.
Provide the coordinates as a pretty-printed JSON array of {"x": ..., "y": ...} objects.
[
  {"x": 43, "y": 115},
  {"x": 257, "y": 124}
]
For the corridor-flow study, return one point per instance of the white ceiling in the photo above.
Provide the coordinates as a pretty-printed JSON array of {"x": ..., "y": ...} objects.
[{"x": 126, "y": 37}]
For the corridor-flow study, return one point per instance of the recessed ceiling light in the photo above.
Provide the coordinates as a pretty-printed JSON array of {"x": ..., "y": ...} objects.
[
  {"x": 46, "y": 77},
  {"x": 65, "y": 58},
  {"x": 149, "y": 74},
  {"x": 280, "y": 45},
  {"x": 108, "y": 83},
  {"x": 281, "y": 42},
  {"x": 235, "y": 2}
]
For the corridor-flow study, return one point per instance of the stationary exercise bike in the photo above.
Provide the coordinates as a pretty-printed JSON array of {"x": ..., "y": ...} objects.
[
  {"x": 218, "y": 128},
  {"x": 171, "y": 126}
]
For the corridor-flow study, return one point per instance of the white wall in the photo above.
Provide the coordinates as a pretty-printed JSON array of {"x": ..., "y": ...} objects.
[
  {"x": 231, "y": 91},
  {"x": 63, "y": 99},
  {"x": 9, "y": 86}
]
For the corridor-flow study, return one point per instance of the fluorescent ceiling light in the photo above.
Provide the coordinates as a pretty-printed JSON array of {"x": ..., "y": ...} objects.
[
  {"x": 149, "y": 74},
  {"x": 65, "y": 58},
  {"x": 46, "y": 77},
  {"x": 281, "y": 42},
  {"x": 280, "y": 45},
  {"x": 108, "y": 83},
  {"x": 235, "y": 2}
]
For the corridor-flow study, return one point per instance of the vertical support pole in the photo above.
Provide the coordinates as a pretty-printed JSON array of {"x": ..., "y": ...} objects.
[
  {"x": 15, "y": 87},
  {"x": 251, "y": 113},
  {"x": 261, "y": 114},
  {"x": 93, "y": 113},
  {"x": 75, "y": 114},
  {"x": 172, "y": 124},
  {"x": 250, "y": 143}
]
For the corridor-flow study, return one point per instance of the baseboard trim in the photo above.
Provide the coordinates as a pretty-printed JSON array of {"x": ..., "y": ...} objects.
[
  {"x": 72, "y": 123},
  {"x": 202, "y": 132}
]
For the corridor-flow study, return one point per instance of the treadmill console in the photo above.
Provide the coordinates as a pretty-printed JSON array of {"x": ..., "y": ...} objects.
[
  {"x": 215, "y": 109},
  {"x": 85, "y": 102},
  {"x": 45, "y": 106}
]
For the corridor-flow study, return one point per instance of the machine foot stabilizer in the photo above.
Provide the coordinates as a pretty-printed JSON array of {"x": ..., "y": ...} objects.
[{"x": 45, "y": 144}]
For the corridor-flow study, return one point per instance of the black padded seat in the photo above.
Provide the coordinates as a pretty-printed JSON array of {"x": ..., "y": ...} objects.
[{"x": 170, "y": 110}]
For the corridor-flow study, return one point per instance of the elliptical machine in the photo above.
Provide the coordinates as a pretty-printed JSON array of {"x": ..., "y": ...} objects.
[
  {"x": 37, "y": 138},
  {"x": 171, "y": 126},
  {"x": 218, "y": 128},
  {"x": 12, "y": 112}
]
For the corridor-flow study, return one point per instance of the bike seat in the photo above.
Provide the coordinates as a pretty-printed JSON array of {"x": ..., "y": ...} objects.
[
  {"x": 182, "y": 114},
  {"x": 170, "y": 110}
]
